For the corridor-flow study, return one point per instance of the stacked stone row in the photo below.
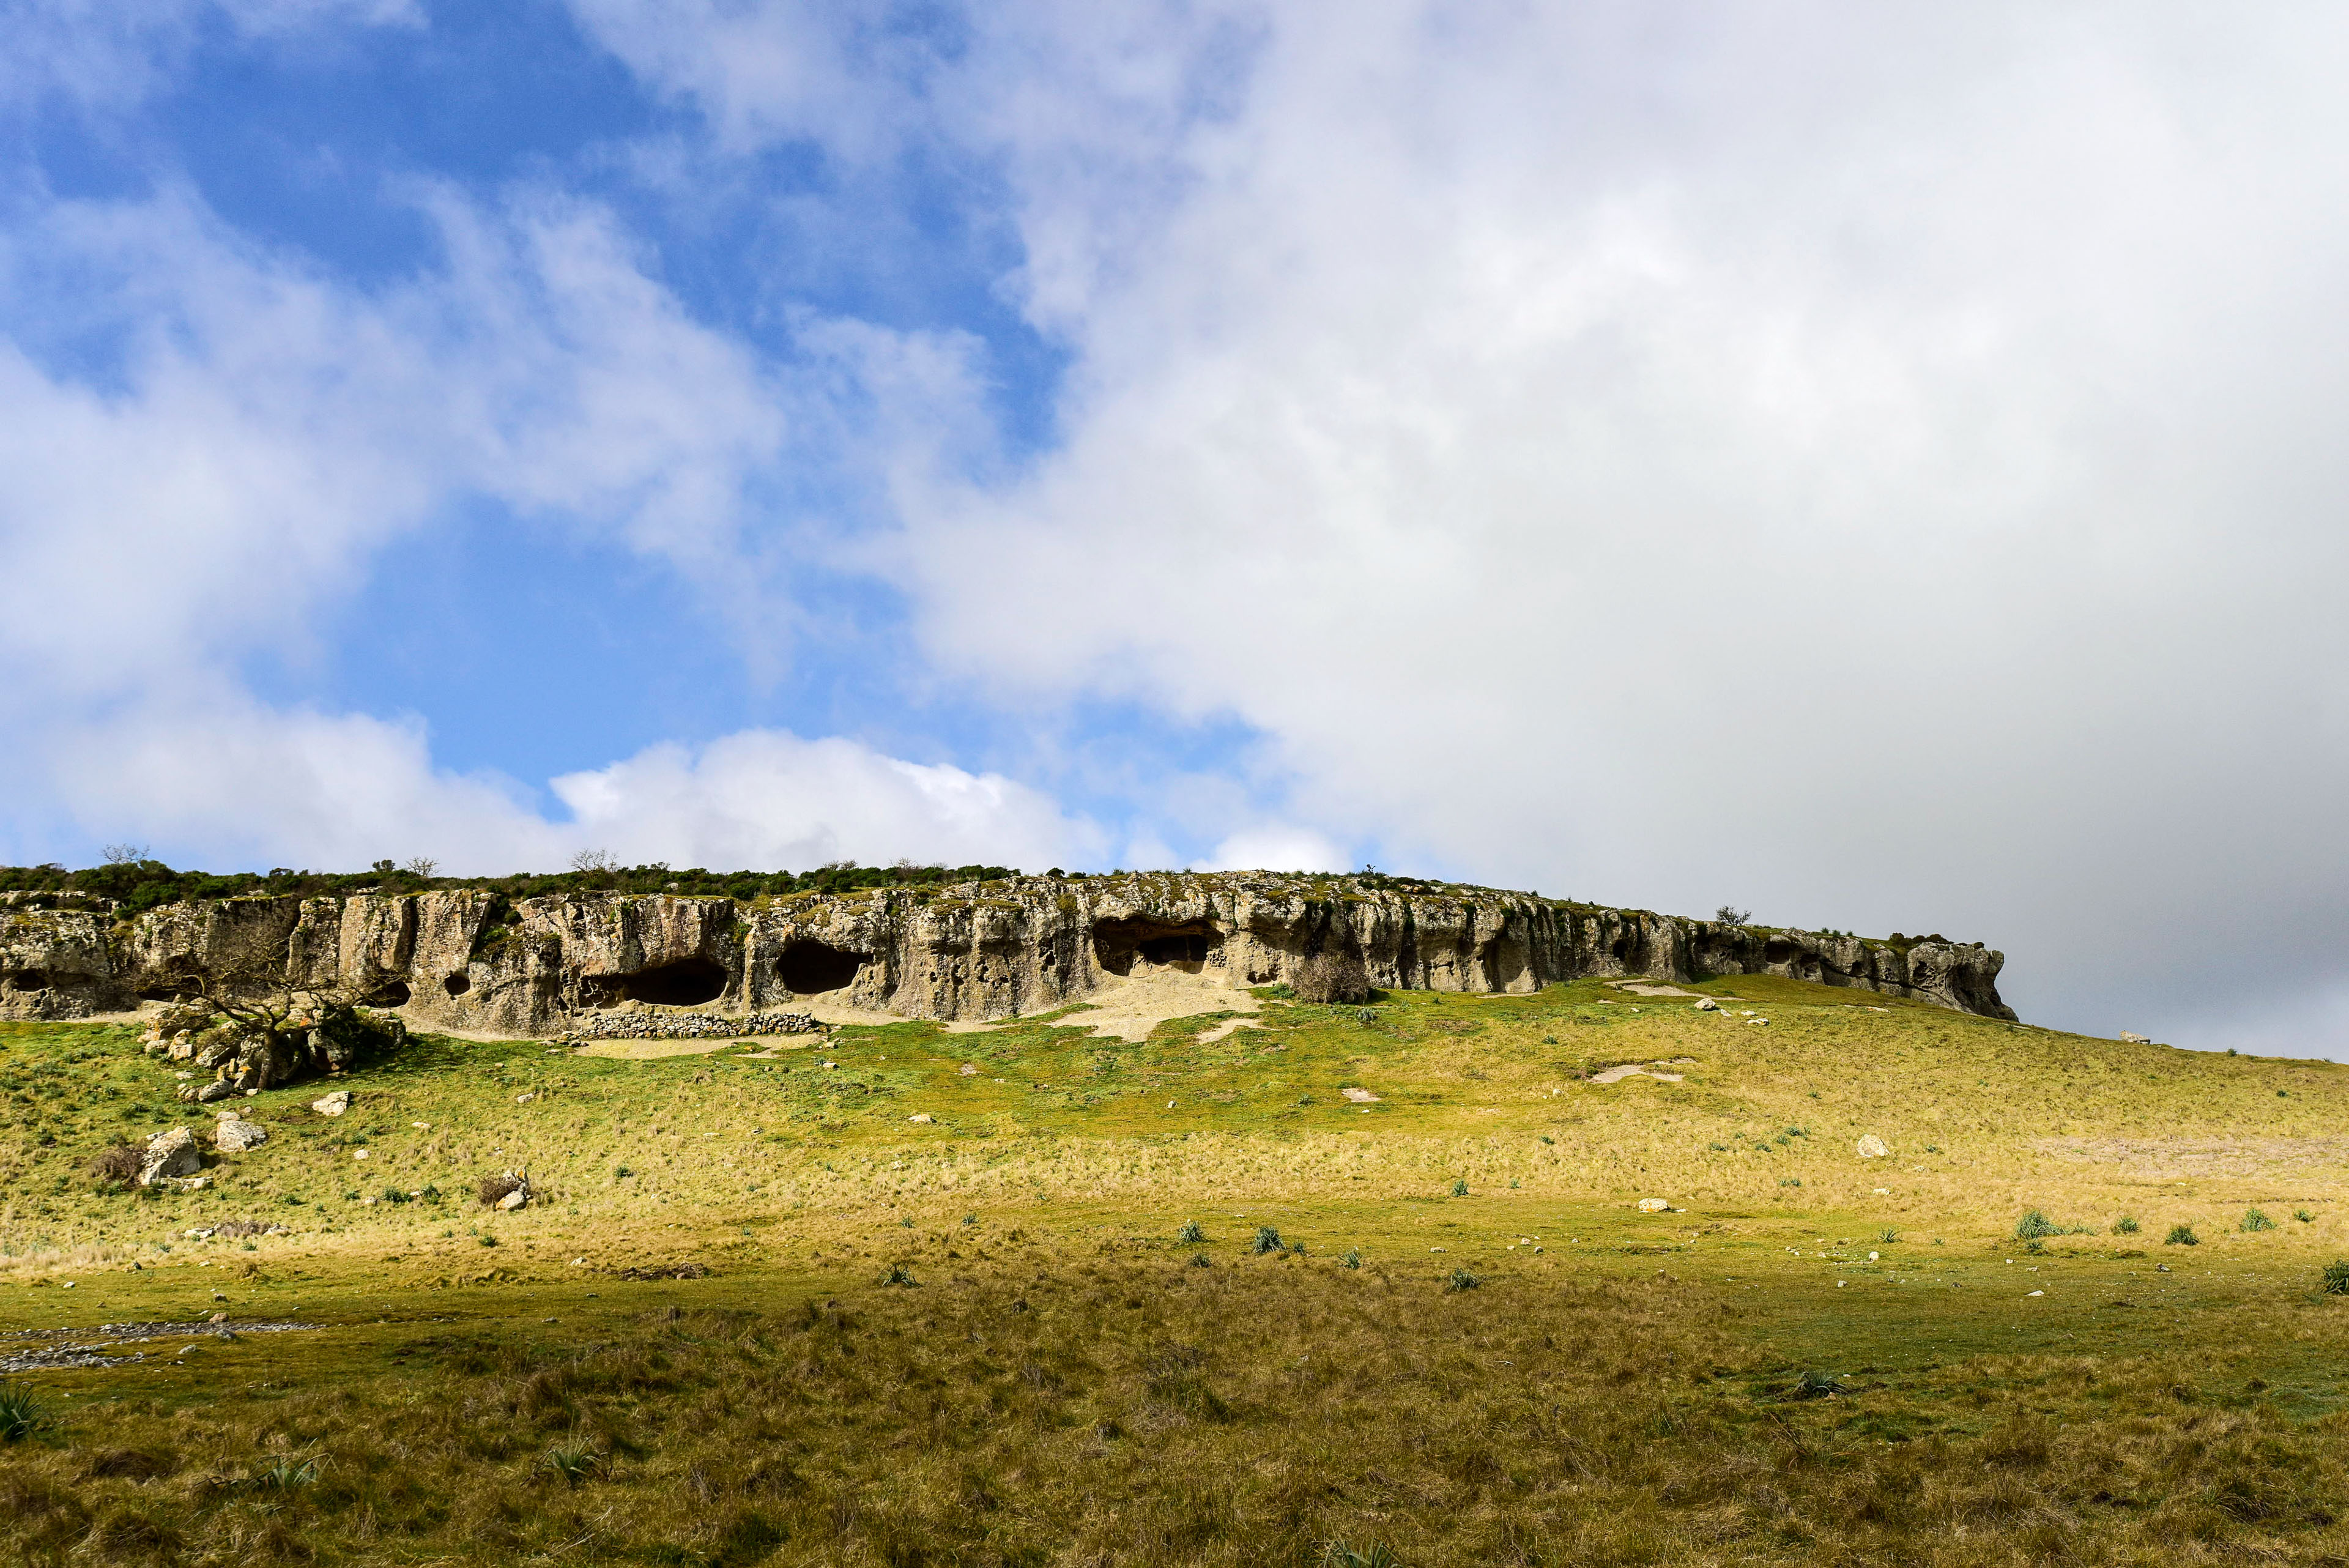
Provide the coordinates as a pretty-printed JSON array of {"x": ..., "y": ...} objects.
[{"x": 687, "y": 1025}]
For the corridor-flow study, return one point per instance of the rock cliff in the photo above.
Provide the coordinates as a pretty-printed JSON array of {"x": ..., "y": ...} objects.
[{"x": 471, "y": 959}]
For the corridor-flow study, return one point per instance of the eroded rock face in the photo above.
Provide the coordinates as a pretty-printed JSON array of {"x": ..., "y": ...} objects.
[{"x": 471, "y": 960}]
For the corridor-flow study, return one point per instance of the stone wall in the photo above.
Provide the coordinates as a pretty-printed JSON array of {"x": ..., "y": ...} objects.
[{"x": 468, "y": 959}]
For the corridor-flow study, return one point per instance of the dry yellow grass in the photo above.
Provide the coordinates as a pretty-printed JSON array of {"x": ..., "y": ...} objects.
[{"x": 1617, "y": 1387}]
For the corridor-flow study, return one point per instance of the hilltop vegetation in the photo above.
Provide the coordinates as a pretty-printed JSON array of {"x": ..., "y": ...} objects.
[{"x": 1066, "y": 1321}]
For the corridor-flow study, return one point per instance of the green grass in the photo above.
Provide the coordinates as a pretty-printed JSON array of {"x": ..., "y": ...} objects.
[{"x": 986, "y": 1340}]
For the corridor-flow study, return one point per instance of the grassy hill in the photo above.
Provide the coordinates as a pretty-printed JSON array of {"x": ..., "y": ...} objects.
[{"x": 1432, "y": 1323}]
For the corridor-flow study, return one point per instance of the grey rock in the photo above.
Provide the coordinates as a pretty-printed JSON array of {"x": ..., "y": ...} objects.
[
  {"x": 332, "y": 1105},
  {"x": 519, "y": 1198},
  {"x": 170, "y": 1154},
  {"x": 2129, "y": 1039},
  {"x": 1872, "y": 1147},
  {"x": 234, "y": 1135}
]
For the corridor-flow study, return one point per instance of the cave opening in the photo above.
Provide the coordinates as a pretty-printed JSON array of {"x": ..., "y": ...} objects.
[
  {"x": 1125, "y": 946},
  {"x": 458, "y": 984},
  {"x": 688, "y": 982},
  {"x": 28, "y": 980},
  {"x": 391, "y": 994},
  {"x": 808, "y": 967}
]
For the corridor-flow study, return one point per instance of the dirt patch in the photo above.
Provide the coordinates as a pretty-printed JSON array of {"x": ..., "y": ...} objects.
[{"x": 1644, "y": 1070}]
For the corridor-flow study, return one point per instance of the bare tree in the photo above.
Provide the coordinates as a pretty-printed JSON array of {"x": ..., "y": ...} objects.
[
  {"x": 124, "y": 854},
  {"x": 594, "y": 860},
  {"x": 1731, "y": 915},
  {"x": 422, "y": 866}
]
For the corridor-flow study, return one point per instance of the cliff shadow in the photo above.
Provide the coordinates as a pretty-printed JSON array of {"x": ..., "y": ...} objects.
[{"x": 1137, "y": 947}]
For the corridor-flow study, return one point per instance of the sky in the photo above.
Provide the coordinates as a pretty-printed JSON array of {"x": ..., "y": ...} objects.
[{"x": 1878, "y": 466}]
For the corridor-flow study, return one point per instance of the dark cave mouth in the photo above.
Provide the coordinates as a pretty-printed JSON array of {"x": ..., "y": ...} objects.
[
  {"x": 808, "y": 968},
  {"x": 688, "y": 982},
  {"x": 1124, "y": 946}
]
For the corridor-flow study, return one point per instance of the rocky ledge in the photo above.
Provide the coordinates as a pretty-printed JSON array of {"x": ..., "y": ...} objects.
[{"x": 470, "y": 959}]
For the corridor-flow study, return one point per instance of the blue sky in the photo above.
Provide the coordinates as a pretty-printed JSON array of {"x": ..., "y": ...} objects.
[{"x": 1880, "y": 470}]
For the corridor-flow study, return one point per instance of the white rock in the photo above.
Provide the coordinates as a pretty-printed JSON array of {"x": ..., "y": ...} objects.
[
  {"x": 968, "y": 1069},
  {"x": 515, "y": 1199},
  {"x": 1707, "y": 1004},
  {"x": 170, "y": 1154},
  {"x": 1872, "y": 1147},
  {"x": 332, "y": 1105},
  {"x": 1655, "y": 1206},
  {"x": 1360, "y": 1097},
  {"x": 358, "y": 1154},
  {"x": 923, "y": 1117},
  {"x": 524, "y": 1099},
  {"x": 234, "y": 1135},
  {"x": 2129, "y": 1039},
  {"x": 2036, "y": 1294}
]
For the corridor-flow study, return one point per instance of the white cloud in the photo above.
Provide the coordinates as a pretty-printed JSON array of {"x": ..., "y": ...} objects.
[
  {"x": 102, "y": 54},
  {"x": 255, "y": 786},
  {"x": 766, "y": 799},
  {"x": 1878, "y": 466},
  {"x": 1276, "y": 846}
]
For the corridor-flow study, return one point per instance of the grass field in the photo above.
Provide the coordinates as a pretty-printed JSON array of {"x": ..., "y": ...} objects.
[{"x": 1432, "y": 1325}]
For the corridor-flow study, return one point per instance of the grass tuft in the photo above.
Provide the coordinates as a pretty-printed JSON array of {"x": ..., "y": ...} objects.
[
  {"x": 2181, "y": 1235},
  {"x": 2255, "y": 1220},
  {"x": 1463, "y": 1280},
  {"x": 21, "y": 1414},
  {"x": 1268, "y": 1239}
]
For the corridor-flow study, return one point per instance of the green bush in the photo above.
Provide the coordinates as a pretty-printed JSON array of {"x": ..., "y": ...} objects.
[
  {"x": 1268, "y": 1239},
  {"x": 2033, "y": 1224},
  {"x": 2181, "y": 1236},
  {"x": 2336, "y": 1279},
  {"x": 1462, "y": 1279},
  {"x": 2125, "y": 1226},
  {"x": 1353, "y": 1257},
  {"x": 2255, "y": 1220},
  {"x": 1190, "y": 1235},
  {"x": 1460, "y": 1187}
]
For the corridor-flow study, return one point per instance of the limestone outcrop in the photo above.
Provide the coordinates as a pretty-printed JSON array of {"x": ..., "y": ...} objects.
[{"x": 471, "y": 959}]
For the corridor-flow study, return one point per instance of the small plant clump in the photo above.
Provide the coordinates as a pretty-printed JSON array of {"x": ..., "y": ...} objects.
[
  {"x": 572, "y": 1463},
  {"x": 2125, "y": 1226},
  {"x": 2303, "y": 1216},
  {"x": 1352, "y": 1258},
  {"x": 2255, "y": 1220},
  {"x": 1887, "y": 1236},
  {"x": 2181, "y": 1235},
  {"x": 2336, "y": 1279},
  {"x": 2033, "y": 1225},
  {"x": 1463, "y": 1280},
  {"x": 1460, "y": 1187},
  {"x": 21, "y": 1414},
  {"x": 1818, "y": 1386},
  {"x": 1268, "y": 1239},
  {"x": 900, "y": 1275},
  {"x": 1190, "y": 1234}
]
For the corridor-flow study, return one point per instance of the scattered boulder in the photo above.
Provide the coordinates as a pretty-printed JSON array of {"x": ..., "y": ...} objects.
[
  {"x": 2129, "y": 1039},
  {"x": 1360, "y": 1097},
  {"x": 922, "y": 1117},
  {"x": 205, "y": 1094},
  {"x": 1655, "y": 1206},
  {"x": 1707, "y": 1004},
  {"x": 508, "y": 1189},
  {"x": 968, "y": 1069},
  {"x": 332, "y": 1105},
  {"x": 234, "y": 1135},
  {"x": 1872, "y": 1147},
  {"x": 170, "y": 1154}
]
